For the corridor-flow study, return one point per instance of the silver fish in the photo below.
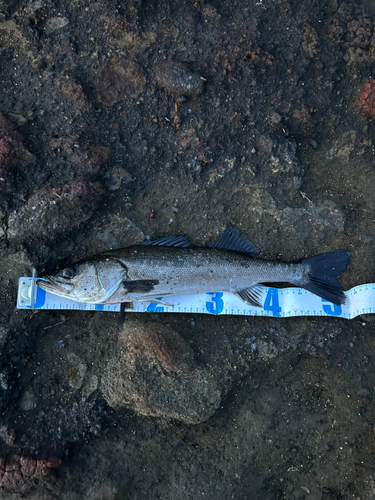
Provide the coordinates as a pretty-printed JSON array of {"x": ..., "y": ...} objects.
[{"x": 171, "y": 266}]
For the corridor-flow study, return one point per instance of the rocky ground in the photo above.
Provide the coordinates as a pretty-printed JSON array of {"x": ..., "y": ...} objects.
[{"x": 121, "y": 120}]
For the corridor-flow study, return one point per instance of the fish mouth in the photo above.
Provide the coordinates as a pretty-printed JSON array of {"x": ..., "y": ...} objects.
[{"x": 50, "y": 284}]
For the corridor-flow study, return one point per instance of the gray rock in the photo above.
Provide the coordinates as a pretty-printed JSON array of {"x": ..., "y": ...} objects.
[
  {"x": 52, "y": 211},
  {"x": 78, "y": 375},
  {"x": 55, "y": 23},
  {"x": 28, "y": 401},
  {"x": 115, "y": 231},
  {"x": 274, "y": 118}
]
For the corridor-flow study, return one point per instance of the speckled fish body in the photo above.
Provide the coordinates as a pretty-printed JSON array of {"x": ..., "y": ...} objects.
[{"x": 146, "y": 273}]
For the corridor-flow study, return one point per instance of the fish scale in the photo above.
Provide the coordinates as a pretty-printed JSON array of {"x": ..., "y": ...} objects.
[{"x": 196, "y": 271}]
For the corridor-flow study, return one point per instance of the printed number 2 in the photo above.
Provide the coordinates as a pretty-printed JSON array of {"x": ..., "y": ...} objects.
[
  {"x": 272, "y": 302},
  {"x": 331, "y": 309},
  {"x": 154, "y": 306},
  {"x": 216, "y": 304}
]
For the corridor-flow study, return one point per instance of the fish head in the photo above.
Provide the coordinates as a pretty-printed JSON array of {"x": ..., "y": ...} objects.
[{"x": 92, "y": 282}]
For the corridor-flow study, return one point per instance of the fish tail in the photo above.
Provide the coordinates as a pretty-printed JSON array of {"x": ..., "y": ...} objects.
[{"x": 323, "y": 273}]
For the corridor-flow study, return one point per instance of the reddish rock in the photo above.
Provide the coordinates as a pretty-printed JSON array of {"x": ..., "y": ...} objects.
[
  {"x": 19, "y": 474},
  {"x": 152, "y": 370},
  {"x": 53, "y": 211},
  {"x": 366, "y": 99}
]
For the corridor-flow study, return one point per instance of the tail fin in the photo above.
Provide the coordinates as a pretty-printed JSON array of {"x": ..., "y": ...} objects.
[{"x": 324, "y": 270}]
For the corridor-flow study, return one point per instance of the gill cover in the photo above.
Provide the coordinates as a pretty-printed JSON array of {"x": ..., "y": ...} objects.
[{"x": 90, "y": 282}]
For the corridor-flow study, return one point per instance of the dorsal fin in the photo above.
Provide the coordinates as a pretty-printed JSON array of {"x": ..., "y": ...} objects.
[
  {"x": 177, "y": 241},
  {"x": 233, "y": 239}
]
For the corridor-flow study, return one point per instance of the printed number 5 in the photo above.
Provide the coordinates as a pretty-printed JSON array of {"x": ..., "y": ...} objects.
[
  {"x": 331, "y": 309},
  {"x": 216, "y": 304}
]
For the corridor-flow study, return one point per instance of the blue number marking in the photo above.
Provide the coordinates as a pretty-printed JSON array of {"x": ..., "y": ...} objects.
[
  {"x": 154, "y": 306},
  {"x": 331, "y": 309},
  {"x": 40, "y": 298},
  {"x": 216, "y": 304},
  {"x": 272, "y": 302}
]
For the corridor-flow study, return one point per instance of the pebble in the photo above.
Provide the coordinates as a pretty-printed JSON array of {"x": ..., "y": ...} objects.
[
  {"x": 275, "y": 118},
  {"x": 55, "y": 23},
  {"x": 179, "y": 80}
]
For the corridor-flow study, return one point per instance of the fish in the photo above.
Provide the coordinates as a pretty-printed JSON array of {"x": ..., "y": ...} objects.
[{"x": 173, "y": 266}]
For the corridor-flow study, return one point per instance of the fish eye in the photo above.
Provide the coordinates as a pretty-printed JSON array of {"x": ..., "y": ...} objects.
[{"x": 69, "y": 272}]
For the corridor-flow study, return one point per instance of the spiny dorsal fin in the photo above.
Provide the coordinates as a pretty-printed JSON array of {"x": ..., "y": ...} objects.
[
  {"x": 233, "y": 239},
  {"x": 177, "y": 241}
]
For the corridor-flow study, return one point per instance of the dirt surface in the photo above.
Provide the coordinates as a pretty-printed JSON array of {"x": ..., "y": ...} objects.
[{"x": 121, "y": 120}]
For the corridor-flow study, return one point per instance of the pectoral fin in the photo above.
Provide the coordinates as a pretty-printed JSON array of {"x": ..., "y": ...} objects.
[
  {"x": 139, "y": 286},
  {"x": 252, "y": 295}
]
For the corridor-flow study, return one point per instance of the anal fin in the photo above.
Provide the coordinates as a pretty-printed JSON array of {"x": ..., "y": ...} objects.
[
  {"x": 252, "y": 295},
  {"x": 155, "y": 300}
]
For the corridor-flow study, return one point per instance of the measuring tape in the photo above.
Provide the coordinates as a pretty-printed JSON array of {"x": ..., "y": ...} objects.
[{"x": 277, "y": 302}]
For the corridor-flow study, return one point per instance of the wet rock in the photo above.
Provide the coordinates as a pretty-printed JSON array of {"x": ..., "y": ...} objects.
[
  {"x": 265, "y": 144},
  {"x": 77, "y": 371},
  {"x": 73, "y": 96},
  {"x": 3, "y": 336},
  {"x": 178, "y": 79},
  {"x": 13, "y": 266},
  {"x": 119, "y": 80},
  {"x": 18, "y": 474},
  {"x": 89, "y": 159},
  {"x": 314, "y": 221},
  {"x": 89, "y": 386},
  {"x": 108, "y": 233},
  {"x": 267, "y": 350},
  {"x": 11, "y": 35},
  {"x": 346, "y": 145},
  {"x": 132, "y": 42},
  {"x": 274, "y": 118},
  {"x": 152, "y": 370},
  {"x": 55, "y": 23},
  {"x": 310, "y": 41},
  {"x": 285, "y": 166},
  {"x": 52, "y": 211},
  {"x": 302, "y": 115},
  {"x": 116, "y": 177},
  {"x": 28, "y": 401},
  {"x": 116, "y": 231},
  {"x": 13, "y": 154}
]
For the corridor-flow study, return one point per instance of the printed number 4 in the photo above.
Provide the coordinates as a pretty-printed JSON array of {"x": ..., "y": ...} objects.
[{"x": 272, "y": 302}]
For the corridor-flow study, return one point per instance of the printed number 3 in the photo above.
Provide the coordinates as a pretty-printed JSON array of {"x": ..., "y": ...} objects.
[{"x": 216, "y": 304}]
